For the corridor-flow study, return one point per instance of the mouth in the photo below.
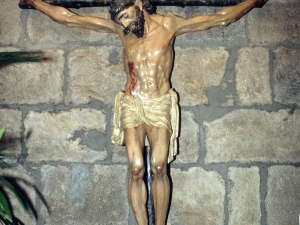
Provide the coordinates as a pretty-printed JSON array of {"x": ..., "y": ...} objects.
[{"x": 132, "y": 25}]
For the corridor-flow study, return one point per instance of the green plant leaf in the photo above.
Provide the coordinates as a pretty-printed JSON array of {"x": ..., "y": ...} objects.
[
  {"x": 21, "y": 200},
  {"x": 1, "y": 132},
  {"x": 5, "y": 209},
  {"x": 19, "y": 57}
]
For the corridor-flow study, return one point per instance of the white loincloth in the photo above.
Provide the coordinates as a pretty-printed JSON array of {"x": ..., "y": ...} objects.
[{"x": 131, "y": 111}]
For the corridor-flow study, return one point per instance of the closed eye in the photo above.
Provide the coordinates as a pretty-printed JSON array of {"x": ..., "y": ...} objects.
[{"x": 125, "y": 15}]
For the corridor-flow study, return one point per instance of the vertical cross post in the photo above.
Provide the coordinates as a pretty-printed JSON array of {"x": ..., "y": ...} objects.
[{"x": 149, "y": 177}]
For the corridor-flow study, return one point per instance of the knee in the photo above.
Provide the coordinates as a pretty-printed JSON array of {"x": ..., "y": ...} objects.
[
  {"x": 158, "y": 168},
  {"x": 137, "y": 169}
]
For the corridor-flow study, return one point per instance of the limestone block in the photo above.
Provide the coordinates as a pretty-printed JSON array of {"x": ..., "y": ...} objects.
[
  {"x": 95, "y": 72},
  {"x": 253, "y": 136},
  {"x": 43, "y": 30},
  {"x": 171, "y": 10},
  {"x": 33, "y": 83},
  {"x": 26, "y": 183},
  {"x": 287, "y": 76},
  {"x": 10, "y": 120},
  {"x": 283, "y": 195},
  {"x": 59, "y": 136},
  {"x": 85, "y": 195},
  {"x": 244, "y": 196},
  {"x": 197, "y": 197},
  {"x": 195, "y": 69},
  {"x": 119, "y": 153},
  {"x": 230, "y": 33},
  {"x": 253, "y": 77},
  {"x": 277, "y": 22},
  {"x": 189, "y": 145},
  {"x": 10, "y": 23}
]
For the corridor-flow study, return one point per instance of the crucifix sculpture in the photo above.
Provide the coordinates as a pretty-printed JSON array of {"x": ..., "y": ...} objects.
[{"x": 148, "y": 106}]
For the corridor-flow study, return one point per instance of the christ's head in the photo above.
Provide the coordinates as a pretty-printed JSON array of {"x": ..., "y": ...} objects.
[{"x": 130, "y": 15}]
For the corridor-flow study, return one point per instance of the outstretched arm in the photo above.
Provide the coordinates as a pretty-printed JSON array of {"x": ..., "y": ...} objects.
[
  {"x": 222, "y": 18},
  {"x": 70, "y": 19}
]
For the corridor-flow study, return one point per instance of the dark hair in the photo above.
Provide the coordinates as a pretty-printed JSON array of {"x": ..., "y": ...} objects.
[
  {"x": 117, "y": 6},
  {"x": 148, "y": 7}
]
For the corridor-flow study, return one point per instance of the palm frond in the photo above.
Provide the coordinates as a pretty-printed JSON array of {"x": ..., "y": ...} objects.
[
  {"x": 5, "y": 209},
  {"x": 17, "y": 194},
  {"x": 1, "y": 132},
  {"x": 19, "y": 57}
]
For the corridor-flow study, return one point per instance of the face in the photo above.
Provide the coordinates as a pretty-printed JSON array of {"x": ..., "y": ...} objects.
[
  {"x": 127, "y": 16},
  {"x": 132, "y": 19}
]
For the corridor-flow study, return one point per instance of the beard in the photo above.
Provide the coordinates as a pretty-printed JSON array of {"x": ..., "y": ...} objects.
[{"x": 138, "y": 25}]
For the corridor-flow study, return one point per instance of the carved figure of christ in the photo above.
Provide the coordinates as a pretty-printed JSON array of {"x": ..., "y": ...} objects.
[{"x": 145, "y": 108}]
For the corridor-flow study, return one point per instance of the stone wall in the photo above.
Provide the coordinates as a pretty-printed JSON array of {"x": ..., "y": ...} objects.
[{"x": 240, "y": 119}]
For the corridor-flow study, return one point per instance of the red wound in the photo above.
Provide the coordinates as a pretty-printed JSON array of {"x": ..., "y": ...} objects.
[{"x": 133, "y": 76}]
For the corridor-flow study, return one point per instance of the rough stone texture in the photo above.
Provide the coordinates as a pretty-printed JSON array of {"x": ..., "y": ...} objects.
[
  {"x": 287, "y": 76},
  {"x": 253, "y": 136},
  {"x": 33, "y": 82},
  {"x": 283, "y": 196},
  {"x": 10, "y": 120},
  {"x": 189, "y": 139},
  {"x": 26, "y": 184},
  {"x": 195, "y": 70},
  {"x": 232, "y": 32},
  {"x": 171, "y": 10},
  {"x": 277, "y": 22},
  {"x": 197, "y": 197},
  {"x": 244, "y": 197},
  {"x": 43, "y": 30},
  {"x": 10, "y": 23},
  {"x": 95, "y": 72},
  {"x": 119, "y": 153},
  {"x": 253, "y": 77},
  {"x": 85, "y": 195},
  {"x": 58, "y": 136}
]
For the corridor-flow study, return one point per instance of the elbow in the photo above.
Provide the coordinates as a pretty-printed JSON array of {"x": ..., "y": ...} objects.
[
  {"x": 226, "y": 19},
  {"x": 68, "y": 24},
  {"x": 226, "y": 22},
  {"x": 67, "y": 21},
  {"x": 64, "y": 17}
]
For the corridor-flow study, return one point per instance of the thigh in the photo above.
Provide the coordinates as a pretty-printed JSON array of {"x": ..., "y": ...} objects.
[
  {"x": 134, "y": 143},
  {"x": 159, "y": 139}
]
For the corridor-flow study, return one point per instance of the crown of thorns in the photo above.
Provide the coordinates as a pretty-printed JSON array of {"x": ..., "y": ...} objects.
[{"x": 117, "y": 6}]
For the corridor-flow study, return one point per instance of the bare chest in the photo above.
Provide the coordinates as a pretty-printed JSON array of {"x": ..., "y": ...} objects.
[{"x": 149, "y": 48}]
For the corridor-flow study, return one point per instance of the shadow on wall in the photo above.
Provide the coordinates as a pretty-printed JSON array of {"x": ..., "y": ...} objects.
[{"x": 15, "y": 185}]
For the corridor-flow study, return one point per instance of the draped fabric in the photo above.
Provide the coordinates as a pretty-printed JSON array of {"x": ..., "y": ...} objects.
[{"x": 131, "y": 111}]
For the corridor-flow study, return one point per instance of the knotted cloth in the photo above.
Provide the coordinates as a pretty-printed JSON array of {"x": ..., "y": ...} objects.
[{"x": 131, "y": 111}]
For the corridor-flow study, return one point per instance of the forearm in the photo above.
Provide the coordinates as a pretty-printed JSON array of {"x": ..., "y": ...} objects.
[
  {"x": 56, "y": 13},
  {"x": 234, "y": 13},
  {"x": 66, "y": 17}
]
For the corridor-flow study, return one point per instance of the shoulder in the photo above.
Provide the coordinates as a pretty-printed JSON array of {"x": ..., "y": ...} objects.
[{"x": 168, "y": 21}]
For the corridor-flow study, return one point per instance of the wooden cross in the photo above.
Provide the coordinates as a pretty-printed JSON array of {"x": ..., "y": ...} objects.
[{"x": 102, "y": 3}]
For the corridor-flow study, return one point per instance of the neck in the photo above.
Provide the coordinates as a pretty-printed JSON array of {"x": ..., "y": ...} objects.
[{"x": 148, "y": 21}]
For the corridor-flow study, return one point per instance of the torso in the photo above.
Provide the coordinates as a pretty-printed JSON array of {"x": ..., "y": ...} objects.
[{"x": 148, "y": 61}]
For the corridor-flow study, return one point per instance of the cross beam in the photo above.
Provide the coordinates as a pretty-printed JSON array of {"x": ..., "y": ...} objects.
[{"x": 101, "y": 3}]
